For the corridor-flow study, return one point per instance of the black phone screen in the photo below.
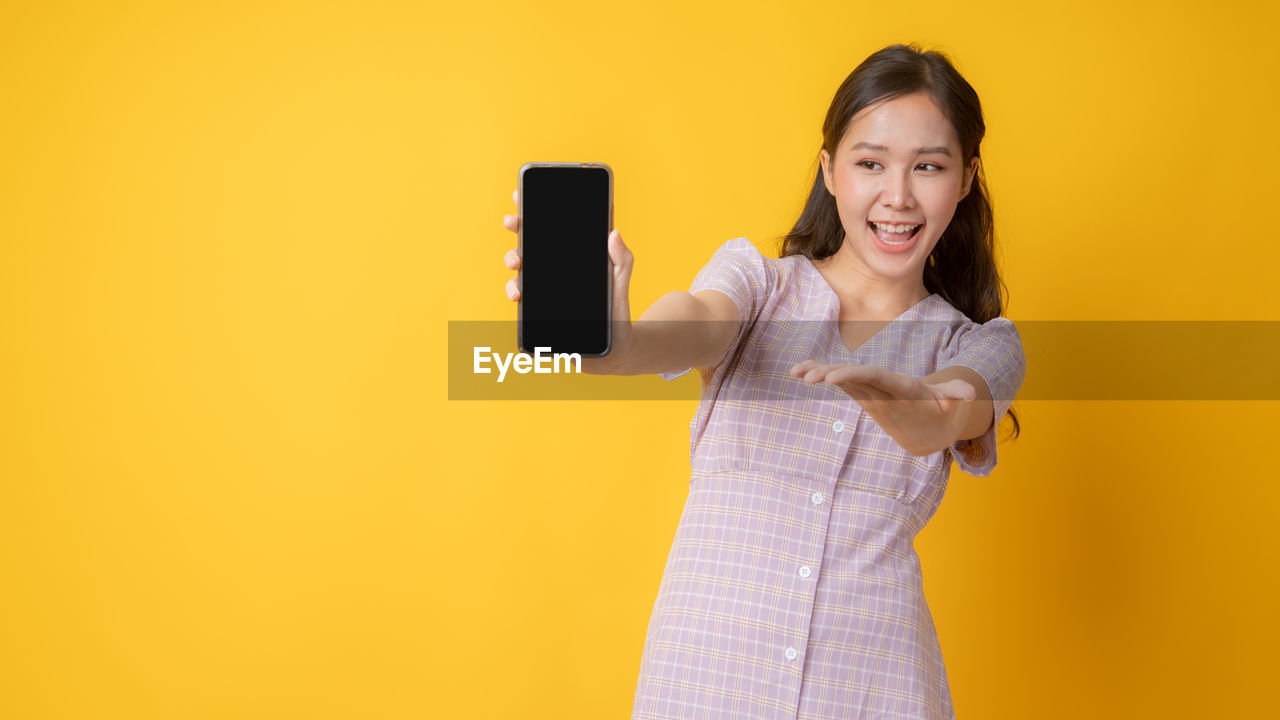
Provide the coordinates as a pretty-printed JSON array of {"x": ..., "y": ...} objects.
[{"x": 564, "y": 247}]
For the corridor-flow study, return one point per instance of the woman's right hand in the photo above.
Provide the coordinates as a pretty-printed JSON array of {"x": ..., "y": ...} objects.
[{"x": 621, "y": 262}]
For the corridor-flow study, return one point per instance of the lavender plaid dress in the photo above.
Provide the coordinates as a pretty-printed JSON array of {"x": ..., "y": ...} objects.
[{"x": 792, "y": 588}]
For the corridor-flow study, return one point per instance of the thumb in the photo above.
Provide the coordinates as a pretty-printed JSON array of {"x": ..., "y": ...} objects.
[
  {"x": 623, "y": 261},
  {"x": 619, "y": 254},
  {"x": 959, "y": 390}
]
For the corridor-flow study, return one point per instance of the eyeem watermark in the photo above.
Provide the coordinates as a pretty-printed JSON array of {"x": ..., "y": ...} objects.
[{"x": 541, "y": 362}]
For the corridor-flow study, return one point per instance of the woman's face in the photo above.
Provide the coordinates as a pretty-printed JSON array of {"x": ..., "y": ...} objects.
[{"x": 898, "y": 164}]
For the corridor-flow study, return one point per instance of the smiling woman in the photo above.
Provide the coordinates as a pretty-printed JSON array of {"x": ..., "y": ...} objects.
[
  {"x": 900, "y": 157},
  {"x": 806, "y": 496}
]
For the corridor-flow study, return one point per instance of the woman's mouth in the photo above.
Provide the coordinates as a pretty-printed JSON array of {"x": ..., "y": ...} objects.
[{"x": 894, "y": 237}]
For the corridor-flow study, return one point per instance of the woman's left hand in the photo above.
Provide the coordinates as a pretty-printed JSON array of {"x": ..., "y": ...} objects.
[{"x": 923, "y": 418}]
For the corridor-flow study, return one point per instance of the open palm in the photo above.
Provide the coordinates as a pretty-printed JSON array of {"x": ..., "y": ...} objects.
[{"x": 922, "y": 417}]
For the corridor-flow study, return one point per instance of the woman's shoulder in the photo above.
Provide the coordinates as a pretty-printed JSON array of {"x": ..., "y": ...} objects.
[
  {"x": 741, "y": 251},
  {"x": 741, "y": 256},
  {"x": 741, "y": 248},
  {"x": 956, "y": 332},
  {"x": 942, "y": 309}
]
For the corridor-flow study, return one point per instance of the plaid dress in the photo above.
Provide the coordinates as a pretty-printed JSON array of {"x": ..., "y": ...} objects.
[{"x": 792, "y": 588}]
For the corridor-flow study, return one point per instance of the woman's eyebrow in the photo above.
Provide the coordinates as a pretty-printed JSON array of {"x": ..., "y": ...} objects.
[{"x": 940, "y": 149}]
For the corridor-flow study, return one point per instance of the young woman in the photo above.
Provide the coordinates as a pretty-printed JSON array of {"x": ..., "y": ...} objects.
[{"x": 839, "y": 381}]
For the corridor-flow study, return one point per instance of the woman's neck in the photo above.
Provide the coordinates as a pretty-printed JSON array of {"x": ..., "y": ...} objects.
[{"x": 866, "y": 296}]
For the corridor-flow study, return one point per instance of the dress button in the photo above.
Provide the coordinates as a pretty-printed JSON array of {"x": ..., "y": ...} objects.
[
  {"x": 837, "y": 426},
  {"x": 790, "y": 653},
  {"x": 805, "y": 571},
  {"x": 816, "y": 498}
]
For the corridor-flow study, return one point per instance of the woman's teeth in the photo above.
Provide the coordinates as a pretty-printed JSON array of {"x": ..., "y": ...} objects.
[
  {"x": 895, "y": 228},
  {"x": 885, "y": 231}
]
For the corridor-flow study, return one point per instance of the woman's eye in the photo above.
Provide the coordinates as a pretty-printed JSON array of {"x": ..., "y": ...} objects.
[{"x": 873, "y": 165}]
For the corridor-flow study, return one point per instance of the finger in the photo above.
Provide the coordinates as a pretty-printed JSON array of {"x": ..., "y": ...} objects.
[
  {"x": 515, "y": 196},
  {"x": 892, "y": 383},
  {"x": 799, "y": 369},
  {"x": 513, "y": 289},
  {"x": 852, "y": 374},
  {"x": 512, "y": 259},
  {"x": 817, "y": 373},
  {"x": 511, "y": 222}
]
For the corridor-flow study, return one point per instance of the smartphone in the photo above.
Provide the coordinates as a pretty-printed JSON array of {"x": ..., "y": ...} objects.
[{"x": 566, "y": 275}]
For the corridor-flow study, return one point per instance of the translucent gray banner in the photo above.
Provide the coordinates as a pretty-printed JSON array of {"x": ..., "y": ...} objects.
[{"x": 1066, "y": 360}]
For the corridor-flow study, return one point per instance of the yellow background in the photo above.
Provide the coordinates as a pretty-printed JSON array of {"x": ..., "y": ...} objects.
[{"x": 231, "y": 237}]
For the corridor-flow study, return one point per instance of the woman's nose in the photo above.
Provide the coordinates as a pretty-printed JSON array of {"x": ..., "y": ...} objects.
[{"x": 896, "y": 193}]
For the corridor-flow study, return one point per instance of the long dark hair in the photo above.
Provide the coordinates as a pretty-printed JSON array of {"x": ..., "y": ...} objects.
[{"x": 962, "y": 267}]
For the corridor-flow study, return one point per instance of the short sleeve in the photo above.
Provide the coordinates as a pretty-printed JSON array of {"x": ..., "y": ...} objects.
[
  {"x": 994, "y": 351},
  {"x": 738, "y": 270}
]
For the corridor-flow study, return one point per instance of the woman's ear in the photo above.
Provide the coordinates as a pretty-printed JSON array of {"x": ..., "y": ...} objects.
[{"x": 968, "y": 177}]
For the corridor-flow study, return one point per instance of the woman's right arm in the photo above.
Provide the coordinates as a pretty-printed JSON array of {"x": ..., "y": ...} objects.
[{"x": 678, "y": 331}]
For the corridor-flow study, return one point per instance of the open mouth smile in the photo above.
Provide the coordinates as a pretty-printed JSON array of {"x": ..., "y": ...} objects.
[{"x": 894, "y": 235}]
